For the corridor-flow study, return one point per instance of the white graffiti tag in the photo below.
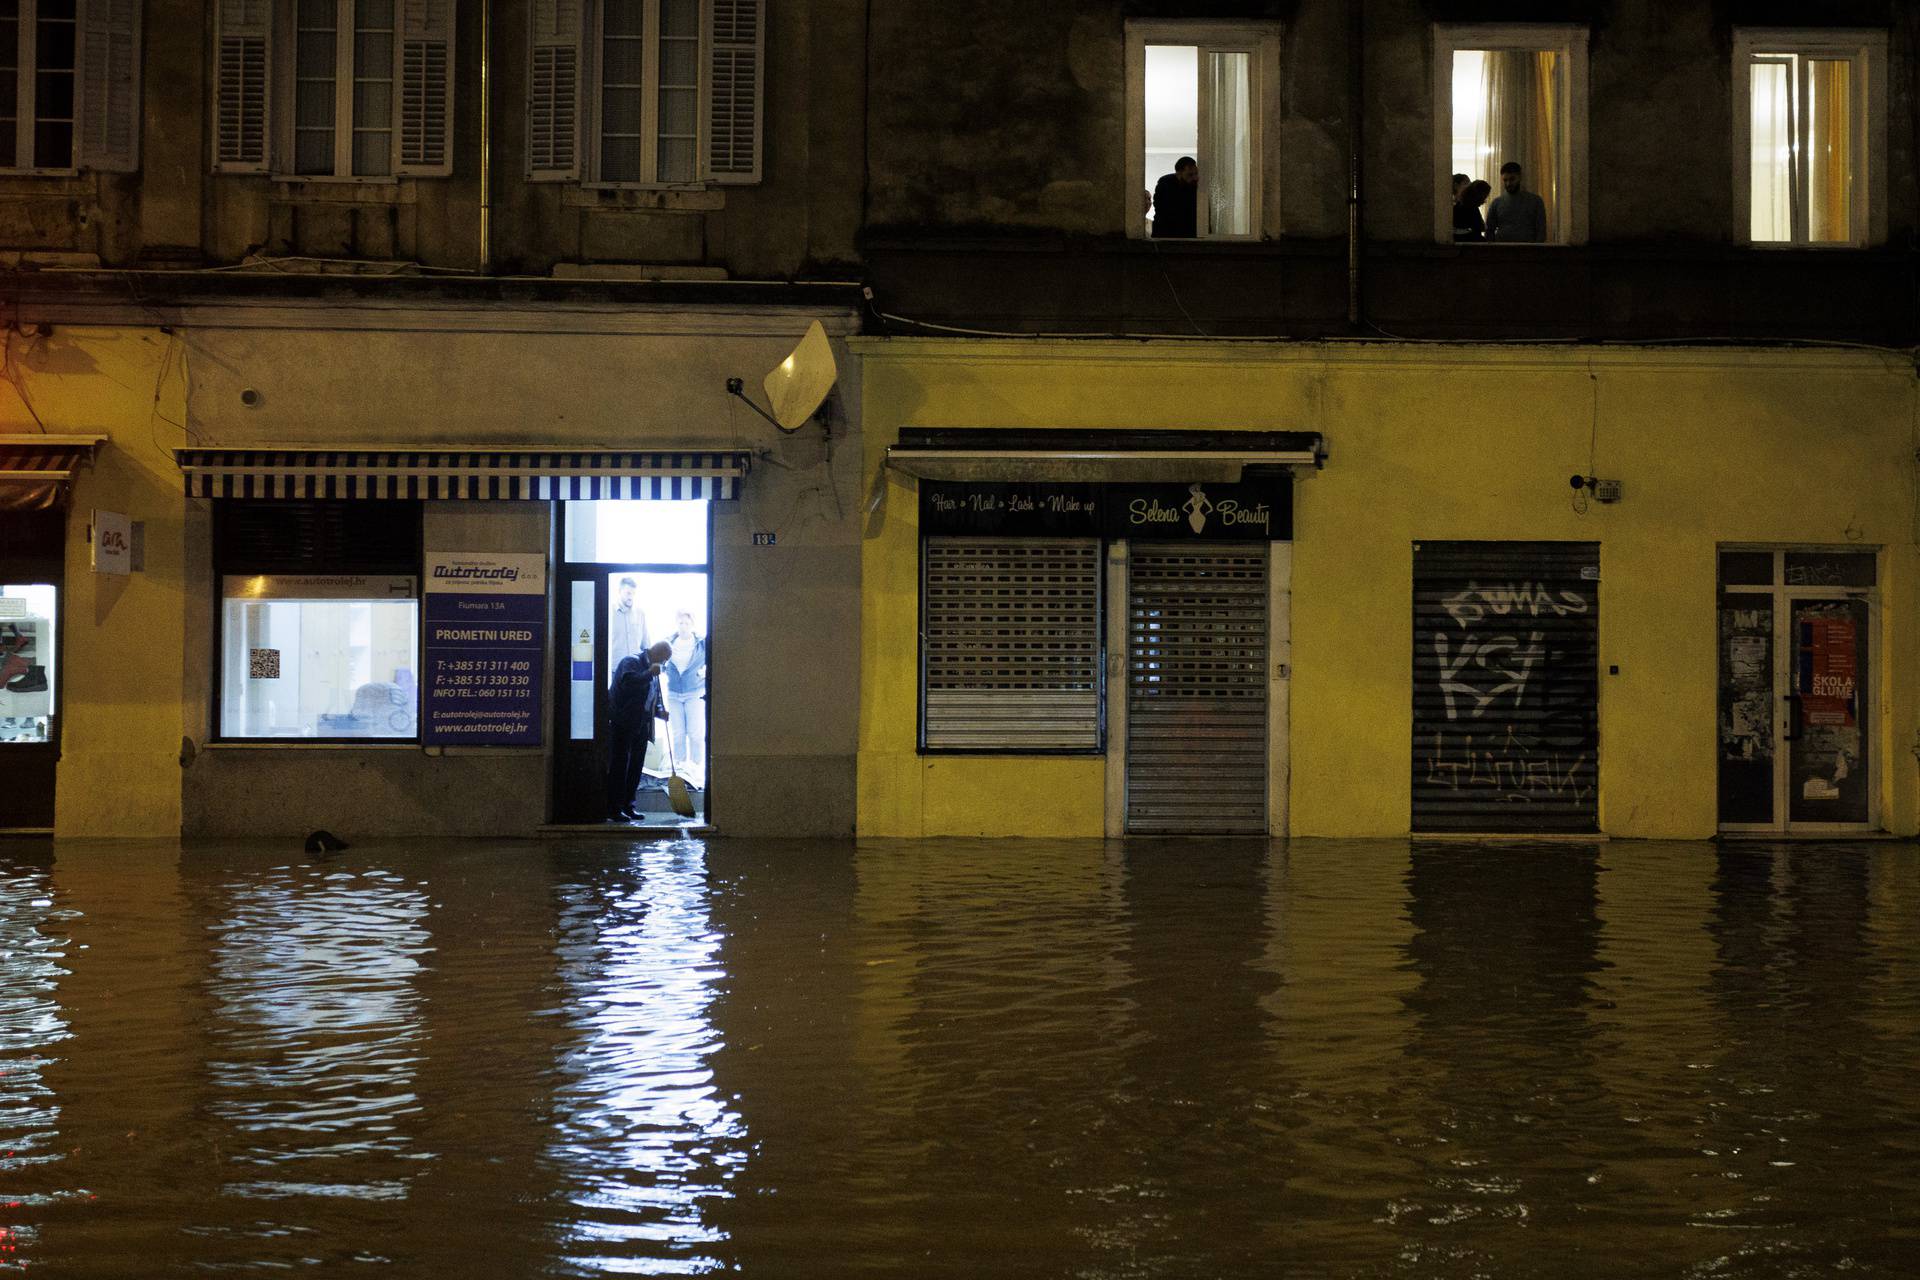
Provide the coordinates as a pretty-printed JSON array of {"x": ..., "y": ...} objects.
[
  {"x": 1529, "y": 598},
  {"x": 1506, "y": 657}
]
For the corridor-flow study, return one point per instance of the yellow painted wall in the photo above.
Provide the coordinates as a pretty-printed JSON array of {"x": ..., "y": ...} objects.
[
  {"x": 1432, "y": 442},
  {"x": 122, "y": 636}
]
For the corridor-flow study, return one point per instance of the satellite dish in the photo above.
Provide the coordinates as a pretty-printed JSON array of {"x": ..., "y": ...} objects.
[{"x": 799, "y": 384}]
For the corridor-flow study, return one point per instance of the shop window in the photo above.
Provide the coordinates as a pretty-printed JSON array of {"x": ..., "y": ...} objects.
[
  {"x": 1198, "y": 98},
  {"x": 1510, "y": 108},
  {"x": 69, "y": 85},
  {"x": 1010, "y": 645},
  {"x": 639, "y": 93},
  {"x": 27, "y": 619},
  {"x": 368, "y": 87},
  {"x": 319, "y": 619},
  {"x": 1809, "y": 115}
]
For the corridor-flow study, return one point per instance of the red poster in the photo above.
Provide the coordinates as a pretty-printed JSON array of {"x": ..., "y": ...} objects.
[{"x": 1827, "y": 671}]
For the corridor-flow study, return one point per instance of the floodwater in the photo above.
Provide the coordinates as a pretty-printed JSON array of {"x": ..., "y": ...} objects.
[{"x": 963, "y": 1059}]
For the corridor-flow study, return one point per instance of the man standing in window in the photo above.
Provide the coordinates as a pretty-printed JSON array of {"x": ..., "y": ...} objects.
[
  {"x": 1518, "y": 215},
  {"x": 1175, "y": 208}
]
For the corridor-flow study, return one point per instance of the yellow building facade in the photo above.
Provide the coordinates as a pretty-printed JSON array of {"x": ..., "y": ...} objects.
[{"x": 1788, "y": 457}]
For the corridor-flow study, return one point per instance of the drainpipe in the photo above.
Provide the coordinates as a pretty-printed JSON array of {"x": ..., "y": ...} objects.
[{"x": 1356, "y": 86}]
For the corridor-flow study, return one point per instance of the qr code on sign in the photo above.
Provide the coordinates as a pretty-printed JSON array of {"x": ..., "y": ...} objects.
[{"x": 263, "y": 664}]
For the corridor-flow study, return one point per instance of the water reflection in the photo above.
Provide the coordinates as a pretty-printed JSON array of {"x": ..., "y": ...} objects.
[
  {"x": 959, "y": 1058},
  {"x": 32, "y": 1026},
  {"x": 644, "y": 1140},
  {"x": 317, "y": 1036}
]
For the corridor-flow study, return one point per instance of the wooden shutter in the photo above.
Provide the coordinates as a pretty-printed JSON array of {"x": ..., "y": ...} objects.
[
  {"x": 553, "y": 91},
  {"x": 736, "y": 89},
  {"x": 426, "y": 88},
  {"x": 109, "y": 62},
  {"x": 240, "y": 86}
]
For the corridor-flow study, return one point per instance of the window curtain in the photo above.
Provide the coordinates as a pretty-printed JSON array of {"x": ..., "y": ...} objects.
[
  {"x": 1770, "y": 187},
  {"x": 1227, "y": 167},
  {"x": 1522, "y": 122},
  {"x": 1829, "y": 150}
]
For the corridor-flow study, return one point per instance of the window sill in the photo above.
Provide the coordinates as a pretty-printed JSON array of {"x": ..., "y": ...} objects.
[
  {"x": 303, "y": 744},
  {"x": 620, "y": 196},
  {"x": 321, "y": 190},
  {"x": 45, "y": 182}
]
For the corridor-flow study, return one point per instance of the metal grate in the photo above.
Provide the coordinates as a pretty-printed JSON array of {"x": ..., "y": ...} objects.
[
  {"x": 1506, "y": 686},
  {"x": 1011, "y": 644},
  {"x": 1197, "y": 689}
]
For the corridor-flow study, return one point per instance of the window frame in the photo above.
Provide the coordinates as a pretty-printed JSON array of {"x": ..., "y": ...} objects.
[
  {"x": 1262, "y": 41},
  {"x": 287, "y": 88},
  {"x": 1866, "y": 49},
  {"x": 1567, "y": 39},
  {"x": 26, "y": 91},
  {"x": 592, "y": 107},
  {"x": 226, "y": 562},
  {"x": 1099, "y": 583}
]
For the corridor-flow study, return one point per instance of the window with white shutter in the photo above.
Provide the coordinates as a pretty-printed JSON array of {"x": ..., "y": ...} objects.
[
  {"x": 69, "y": 85},
  {"x": 646, "y": 93},
  {"x": 365, "y": 88},
  {"x": 1010, "y": 644}
]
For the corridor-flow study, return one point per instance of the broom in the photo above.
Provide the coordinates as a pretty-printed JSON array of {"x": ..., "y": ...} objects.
[{"x": 677, "y": 794}]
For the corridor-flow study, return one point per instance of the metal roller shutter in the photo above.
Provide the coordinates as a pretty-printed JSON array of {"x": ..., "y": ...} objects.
[
  {"x": 1011, "y": 644},
  {"x": 1197, "y": 688},
  {"x": 1505, "y": 686}
]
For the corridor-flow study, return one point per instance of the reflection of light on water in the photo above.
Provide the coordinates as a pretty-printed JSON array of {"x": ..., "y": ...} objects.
[
  {"x": 30, "y": 1026},
  {"x": 319, "y": 1031},
  {"x": 644, "y": 1137}
]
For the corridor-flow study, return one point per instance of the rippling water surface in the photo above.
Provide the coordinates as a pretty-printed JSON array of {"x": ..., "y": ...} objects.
[{"x": 962, "y": 1059}]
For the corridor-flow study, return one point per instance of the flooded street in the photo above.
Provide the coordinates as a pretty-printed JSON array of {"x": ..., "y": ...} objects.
[{"x": 1345, "y": 1058}]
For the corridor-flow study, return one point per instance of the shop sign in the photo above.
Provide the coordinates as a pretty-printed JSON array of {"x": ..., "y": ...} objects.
[
  {"x": 112, "y": 542},
  {"x": 1827, "y": 671},
  {"x": 1011, "y": 510},
  {"x": 1205, "y": 512},
  {"x": 1245, "y": 512},
  {"x": 486, "y": 631}
]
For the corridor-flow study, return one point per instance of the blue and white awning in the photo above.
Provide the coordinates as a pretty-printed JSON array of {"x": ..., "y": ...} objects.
[{"x": 472, "y": 473}]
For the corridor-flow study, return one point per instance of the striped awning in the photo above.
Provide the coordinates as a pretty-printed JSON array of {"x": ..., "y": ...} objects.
[
  {"x": 470, "y": 473},
  {"x": 35, "y": 468}
]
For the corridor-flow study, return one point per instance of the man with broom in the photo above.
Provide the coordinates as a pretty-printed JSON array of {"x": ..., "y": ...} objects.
[{"x": 636, "y": 704}]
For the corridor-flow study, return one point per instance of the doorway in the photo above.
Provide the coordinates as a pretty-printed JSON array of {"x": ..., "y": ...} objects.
[
  {"x": 632, "y": 574},
  {"x": 1197, "y": 714},
  {"x": 1795, "y": 751}
]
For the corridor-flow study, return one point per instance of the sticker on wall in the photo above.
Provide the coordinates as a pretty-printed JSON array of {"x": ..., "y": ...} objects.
[{"x": 263, "y": 664}]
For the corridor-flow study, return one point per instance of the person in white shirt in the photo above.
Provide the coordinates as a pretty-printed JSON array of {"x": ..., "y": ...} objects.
[{"x": 628, "y": 634}]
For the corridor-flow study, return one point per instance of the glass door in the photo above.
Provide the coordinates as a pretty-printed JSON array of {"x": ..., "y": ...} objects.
[
  {"x": 633, "y": 576},
  {"x": 1794, "y": 748}
]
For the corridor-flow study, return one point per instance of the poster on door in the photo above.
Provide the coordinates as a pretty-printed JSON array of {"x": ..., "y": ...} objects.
[
  {"x": 1827, "y": 671},
  {"x": 486, "y": 631}
]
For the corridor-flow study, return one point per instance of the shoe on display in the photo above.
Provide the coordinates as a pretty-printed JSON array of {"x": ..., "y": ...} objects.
[
  {"x": 14, "y": 665},
  {"x": 34, "y": 681}
]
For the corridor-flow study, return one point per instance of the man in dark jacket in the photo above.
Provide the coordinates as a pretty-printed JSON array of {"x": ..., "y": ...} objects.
[
  {"x": 635, "y": 699},
  {"x": 1176, "y": 211}
]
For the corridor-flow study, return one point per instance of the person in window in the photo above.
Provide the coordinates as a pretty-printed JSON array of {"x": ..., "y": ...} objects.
[
  {"x": 635, "y": 705},
  {"x": 1517, "y": 216},
  {"x": 686, "y": 672},
  {"x": 628, "y": 635},
  {"x": 1467, "y": 223},
  {"x": 1460, "y": 181},
  {"x": 1176, "y": 212}
]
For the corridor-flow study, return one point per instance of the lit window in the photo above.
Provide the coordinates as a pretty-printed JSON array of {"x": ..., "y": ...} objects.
[
  {"x": 1811, "y": 107},
  {"x": 1510, "y": 112},
  {"x": 330, "y": 656},
  {"x": 1201, "y": 93},
  {"x": 27, "y": 650}
]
